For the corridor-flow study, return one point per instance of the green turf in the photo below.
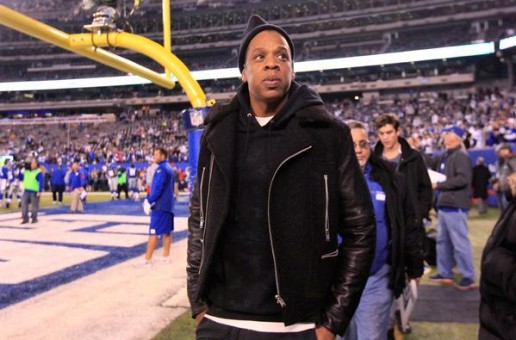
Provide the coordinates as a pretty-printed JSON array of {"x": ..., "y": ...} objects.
[
  {"x": 182, "y": 328},
  {"x": 441, "y": 331},
  {"x": 480, "y": 227},
  {"x": 46, "y": 200}
]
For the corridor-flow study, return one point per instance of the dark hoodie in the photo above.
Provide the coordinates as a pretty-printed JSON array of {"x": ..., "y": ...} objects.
[{"x": 241, "y": 284}]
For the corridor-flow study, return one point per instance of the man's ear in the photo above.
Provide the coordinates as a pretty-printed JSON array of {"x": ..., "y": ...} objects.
[{"x": 243, "y": 77}]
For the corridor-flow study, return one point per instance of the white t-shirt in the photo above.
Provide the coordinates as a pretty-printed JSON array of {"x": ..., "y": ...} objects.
[{"x": 263, "y": 120}]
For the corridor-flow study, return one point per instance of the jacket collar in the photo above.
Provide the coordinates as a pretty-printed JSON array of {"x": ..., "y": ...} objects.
[
  {"x": 221, "y": 132},
  {"x": 407, "y": 152},
  {"x": 312, "y": 112}
]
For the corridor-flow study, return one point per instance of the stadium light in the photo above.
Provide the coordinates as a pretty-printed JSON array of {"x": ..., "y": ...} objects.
[
  {"x": 508, "y": 43},
  {"x": 440, "y": 53}
]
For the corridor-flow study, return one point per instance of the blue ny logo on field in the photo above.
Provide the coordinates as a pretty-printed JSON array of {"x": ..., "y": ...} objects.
[{"x": 60, "y": 249}]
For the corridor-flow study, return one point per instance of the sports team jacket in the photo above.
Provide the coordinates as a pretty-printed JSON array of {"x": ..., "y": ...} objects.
[
  {"x": 316, "y": 279},
  {"x": 162, "y": 191}
]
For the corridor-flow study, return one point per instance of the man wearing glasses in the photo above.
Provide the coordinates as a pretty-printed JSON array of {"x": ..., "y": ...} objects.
[{"x": 398, "y": 251}]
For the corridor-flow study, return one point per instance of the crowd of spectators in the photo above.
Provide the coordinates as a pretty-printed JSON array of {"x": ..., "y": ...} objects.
[
  {"x": 131, "y": 139},
  {"x": 488, "y": 116}
]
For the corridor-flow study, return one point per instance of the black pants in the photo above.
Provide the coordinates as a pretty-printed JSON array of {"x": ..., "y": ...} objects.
[
  {"x": 210, "y": 330},
  {"x": 57, "y": 192},
  {"x": 122, "y": 187}
]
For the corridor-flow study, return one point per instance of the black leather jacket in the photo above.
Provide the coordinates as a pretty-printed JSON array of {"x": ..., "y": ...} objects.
[
  {"x": 316, "y": 192},
  {"x": 498, "y": 280}
]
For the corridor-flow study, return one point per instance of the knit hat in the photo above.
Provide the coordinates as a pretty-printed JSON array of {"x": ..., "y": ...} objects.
[
  {"x": 255, "y": 25},
  {"x": 454, "y": 129}
]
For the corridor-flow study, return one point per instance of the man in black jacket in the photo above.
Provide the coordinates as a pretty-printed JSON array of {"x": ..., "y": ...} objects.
[
  {"x": 498, "y": 279},
  {"x": 398, "y": 246},
  {"x": 394, "y": 148},
  {"x": 479, "y": 184},
  {"x": 277, "y": 182}
]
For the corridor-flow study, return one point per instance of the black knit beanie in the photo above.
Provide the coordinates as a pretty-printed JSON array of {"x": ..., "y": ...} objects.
[{"x": 255, "y": 25}]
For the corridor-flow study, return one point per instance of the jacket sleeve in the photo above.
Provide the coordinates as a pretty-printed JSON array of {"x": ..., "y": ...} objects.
[
  {"x": 499, "y": 271},
  {"x": 499, "y": 260},
  {"x": 194, "y": 252},
  {"x": 358, "y": 232},
  {"x": 424, "y": 190},
  {"x": 462, "y": 175},
  {"x": 41, "y": 181},
  {"x": 158, "y": 185},
  {"x": 414, "y": 231}
]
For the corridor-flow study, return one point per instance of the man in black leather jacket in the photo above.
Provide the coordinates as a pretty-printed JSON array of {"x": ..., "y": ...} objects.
[
  {"x": 498, "y": 280},
  {"x": 277, "y": 182}
]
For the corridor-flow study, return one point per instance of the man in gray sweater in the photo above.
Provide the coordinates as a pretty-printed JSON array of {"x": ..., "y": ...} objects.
[{"x": 453, "y": 204}]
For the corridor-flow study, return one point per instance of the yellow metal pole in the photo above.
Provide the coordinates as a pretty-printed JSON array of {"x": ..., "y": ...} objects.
[
  {"x": 27, "y": 25},
  {"x": 151, "y": 49},
  {"x": 167, "y": 36}
]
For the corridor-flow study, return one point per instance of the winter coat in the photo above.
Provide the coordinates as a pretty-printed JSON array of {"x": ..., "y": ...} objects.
[
  {"x": 498, "y": 279},
  {"x": 316, "y": 191},
  {"x": 74, "y": 180},
  {"x": 455, "y": 191},
  {"x": 406, "y": 250},
  {"x": 58, "y": 177},
  {"x": 480, "y": 181},
  {"x": 413, "y": 166}
]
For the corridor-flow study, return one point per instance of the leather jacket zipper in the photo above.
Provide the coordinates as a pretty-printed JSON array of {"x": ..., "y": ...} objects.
[
  {"x": 201, "y": 223},
  {"x": 212, "y": 160},
  {"x": 326, "y": 210},
  {"x": 279, "y": 299}
]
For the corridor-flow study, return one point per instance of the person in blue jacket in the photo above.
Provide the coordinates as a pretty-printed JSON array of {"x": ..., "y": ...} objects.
[
  {"x": 399, "y": 252},
  {"x": 33, "y": 182},
  {"x": 161, "y": 205},
  {"x": 76, "y": 184},
  {"x": 4, "y": 179},
  {"x": 57, "y": 183}
]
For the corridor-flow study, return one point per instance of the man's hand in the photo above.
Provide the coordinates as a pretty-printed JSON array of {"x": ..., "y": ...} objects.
[
  {"x": 38, "y": 194},
  {"x": 434, "y": 185},
  {"x": 198, "y": 318},
  {"x": 324, "y": 333}
]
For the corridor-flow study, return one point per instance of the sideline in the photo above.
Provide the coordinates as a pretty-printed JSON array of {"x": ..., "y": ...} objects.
[{"x": 72, "y": 276}]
